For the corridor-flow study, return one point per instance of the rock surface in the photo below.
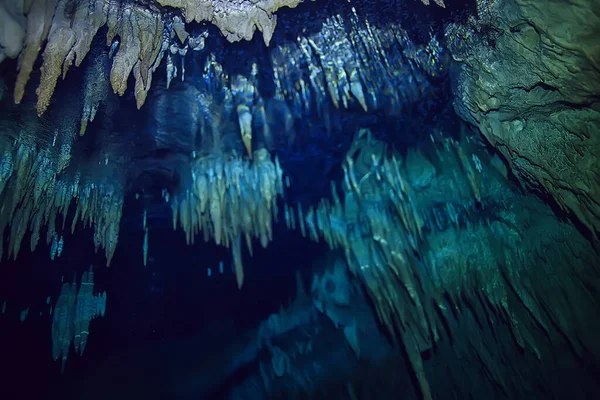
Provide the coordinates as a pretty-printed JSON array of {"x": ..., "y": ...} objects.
[{"x": 533, "y": 89}]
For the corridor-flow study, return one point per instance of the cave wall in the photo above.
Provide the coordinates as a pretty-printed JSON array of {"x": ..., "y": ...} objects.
[{"x": 529, "y": 80}]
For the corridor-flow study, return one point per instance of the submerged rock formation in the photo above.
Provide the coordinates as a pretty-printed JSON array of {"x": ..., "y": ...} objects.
[
  {"x": 533, "y": 92},
  {"x": 427, "y": 254},
  {"x": 75, "y": 308},
  {"x": 467, "y": 249}
]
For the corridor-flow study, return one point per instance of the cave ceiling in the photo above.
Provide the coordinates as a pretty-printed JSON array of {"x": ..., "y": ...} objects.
[{"x": 262, "y": 90}]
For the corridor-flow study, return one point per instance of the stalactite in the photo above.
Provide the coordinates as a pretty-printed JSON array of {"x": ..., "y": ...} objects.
[
  {"x": 34, "y": 193},
  {"x": 70, "y": 36},
  {"x": 236, "y": 20},
  {"x": 415, "y": 273},
  {"x": 95, "y": 90},
  {"x": 39, "y": 22},
  {"x": 345, "y": 73},
  {"x": 230, "y": 199},
  {"x": 69, "y": 39},
  {"x": 24, "y": 314},
  {"x": 351, "y": 63},
  {"x": 75, "y": 308},
  {"x": 145, "y": 247}
]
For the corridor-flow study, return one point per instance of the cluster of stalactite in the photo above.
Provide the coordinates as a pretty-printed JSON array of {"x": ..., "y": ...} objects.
[
  {"x": 230, "y": 199},
  {"x": 36, "y": 190},
  {"x": 422, "y": 263},
  {"x": 237, "y": 20},
  {"x": 65, "y": 29},
  {"x": 312, "y": 75},
  {"x": 378, "y": 241},
  {"x": 75, "y": 308},
  {"x": 354, "y": 62},
  {"x": 68, "y": 28},
  {"x": 95, "y": 89}
]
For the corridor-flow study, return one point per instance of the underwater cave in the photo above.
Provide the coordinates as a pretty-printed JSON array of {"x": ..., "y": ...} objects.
[{"x": 294, "y": 199}]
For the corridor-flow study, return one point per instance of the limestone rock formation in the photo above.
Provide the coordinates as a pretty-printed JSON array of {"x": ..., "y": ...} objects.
[
  {"x": 65, "y": 30},
  {"x": 534, "y": 94},
  {"x": 69, "y": 28},
  {"x": 12, "y": 34},
  {"x": 419, "y": 259},
  {"x": 437, "y": 237},
  {"x": 34, "y": 195},
  {"x": 38, "y": 186},
  {"x": 95, "y": 90},
  {"x": 237, "y": 20},
  {"x": 231, "y": 200},
  {"x": 75, "y": 308}
]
